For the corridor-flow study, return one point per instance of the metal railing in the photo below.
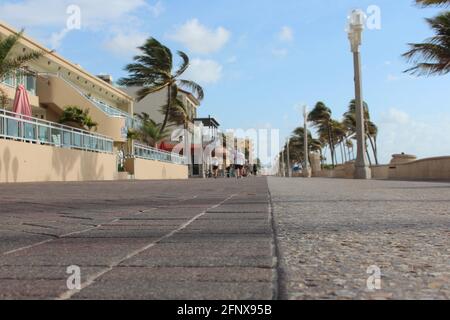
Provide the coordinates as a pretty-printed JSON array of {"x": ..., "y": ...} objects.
[
  {"x": 28, "y": 129},
  {"x": 149, "y": 153}
]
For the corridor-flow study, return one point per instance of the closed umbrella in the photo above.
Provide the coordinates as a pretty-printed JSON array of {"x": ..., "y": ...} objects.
[
  {"x": 21, "y": 102},
  {"x": 23, "y": 111}
]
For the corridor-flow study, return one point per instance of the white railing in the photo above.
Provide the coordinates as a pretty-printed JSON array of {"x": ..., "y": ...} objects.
[
  {"x": 149, "y": 153},
  {"x": 28, "y": 129}
]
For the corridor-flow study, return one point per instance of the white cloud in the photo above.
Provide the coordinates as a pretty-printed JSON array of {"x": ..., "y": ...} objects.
[
  {"x": 204, "y": 71},
  {"x": 286, "y": 34},
  {"x": 124, "y": 44},
  {"x": 57, "y": 37},
  {"x": 199, "y": 39},
  {"x": 99, "y": 15},
  {"x": 157, "y": 9},
  {"x": 400, "y": 132},
  {"x": 44, "y": 13}
]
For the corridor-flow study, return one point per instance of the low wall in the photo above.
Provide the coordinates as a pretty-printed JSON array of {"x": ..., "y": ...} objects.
[
  {"x": 26, "y": 162},
  {"x": 424, "y": 169},
  {"x": 154, "y": 170},
  {"x": 338, "y": 172},
  {"x": 347, "y": 172},
  {"x": 380, "y": 172}
]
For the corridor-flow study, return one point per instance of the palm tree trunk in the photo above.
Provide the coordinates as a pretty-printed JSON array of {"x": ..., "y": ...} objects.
[
  {"x": 342, "y": 152},
  {"x": 169, "y": 104},
  {"x": 330, "y": 141},
  {"x": 374, "y": 150},
  {"x": 368, "y": 156}
]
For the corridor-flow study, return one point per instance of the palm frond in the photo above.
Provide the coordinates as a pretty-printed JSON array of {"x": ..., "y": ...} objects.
[
  {"x": 184, "y": 65},
  {"x": 426, "y": 3},
  {"x": 193, "y": 87},
  {"x": 145, "y": 91},
  {"x": 9, "y": 61},
  {"x": 432, "y": 57},
  {"x": 7, "y": 44}
]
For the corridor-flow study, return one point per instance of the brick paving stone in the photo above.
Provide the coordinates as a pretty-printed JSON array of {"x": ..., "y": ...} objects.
[{"x": 138, "y": 240}]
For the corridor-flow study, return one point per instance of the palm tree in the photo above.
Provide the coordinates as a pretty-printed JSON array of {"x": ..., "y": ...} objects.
[
  {"x": 426, "y": 3},
  {"x": 153, "y": 71},
  {"x": 297, "y": 145},
  {"x": 10, "y": 62},
  {"x": 339, "y": 133},
  {"x": 75, "y": 116},
  {"x": 433, "y": 56},
  {"x": 370, "y": 128},
  {"x": 320, "y": 116},
  {"x": 151, "y": 133}
]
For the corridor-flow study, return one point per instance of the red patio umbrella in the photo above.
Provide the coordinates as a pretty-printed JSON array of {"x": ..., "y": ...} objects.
[{"x": 21, "y": 102}]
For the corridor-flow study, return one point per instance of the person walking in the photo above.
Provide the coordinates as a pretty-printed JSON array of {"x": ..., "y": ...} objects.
[
  {"x": 239, "y": 163},
  {"x": 255, "y": 169},
  {"x": 215, "y": 166}
]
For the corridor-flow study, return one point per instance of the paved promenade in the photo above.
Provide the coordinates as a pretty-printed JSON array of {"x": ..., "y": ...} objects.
[
  {"x": 137, "y": 240},
  {"x": 331, "y": 231},
  {"x": 214, "y": 239}
]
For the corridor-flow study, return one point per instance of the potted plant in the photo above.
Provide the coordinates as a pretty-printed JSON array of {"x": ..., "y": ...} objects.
[{"x": 76, "y": 117}]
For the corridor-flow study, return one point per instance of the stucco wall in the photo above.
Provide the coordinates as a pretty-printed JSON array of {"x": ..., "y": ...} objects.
[
  {"x": 57, "y": 92},
  {"x": 424, "y": 169},
  {"x": 25, "y": 162},
  {"x": 155, "y": 170},
  {"x": 380, "y": 172},
  {"x": 347, "y": 172},
  {"x": 338, "y": 172}
]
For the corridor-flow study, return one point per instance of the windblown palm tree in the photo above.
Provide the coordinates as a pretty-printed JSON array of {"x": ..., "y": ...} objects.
[
  {"x": 10, "y": 61},
  {"x": 320, "y": 116},
  {"x": 297, "y": 144},
  {"x": 433, "y": 56},
  {"x": 370, "y": 127},
  {"x": 427, "y": 3},
  {"x": 153, "y": 71},
  {"x": 338, "y": 137}
]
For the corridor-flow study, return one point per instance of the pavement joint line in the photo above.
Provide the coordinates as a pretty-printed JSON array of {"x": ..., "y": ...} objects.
[
  {"x": 70, "y": 293},
  {"x": 278, "y": 276},
  {"x": 56, "y": 237}
]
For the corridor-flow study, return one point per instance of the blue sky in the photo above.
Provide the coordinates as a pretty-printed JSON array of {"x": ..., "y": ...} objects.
[{"x": 258, "y": 60}]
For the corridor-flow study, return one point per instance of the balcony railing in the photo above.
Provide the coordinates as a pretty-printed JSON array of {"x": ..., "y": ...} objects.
[
  {"x": 19, "y": 77},
  {"x": 28, "y": 129},
  {"x": 149, "y": 153}
]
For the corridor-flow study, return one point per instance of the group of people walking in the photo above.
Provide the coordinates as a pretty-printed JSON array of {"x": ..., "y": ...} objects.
[{"x": 239, "y": 167}]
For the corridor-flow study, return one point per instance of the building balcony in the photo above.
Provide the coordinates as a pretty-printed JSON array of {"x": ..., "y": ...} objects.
[{"x": 17, "y": 127}]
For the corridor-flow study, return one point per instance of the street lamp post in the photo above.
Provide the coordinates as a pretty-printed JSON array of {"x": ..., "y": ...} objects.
[
  {"x": 306, "y": 167},
  {"x": 355, "y": 29},
  {"x": 288, "y": 156}
]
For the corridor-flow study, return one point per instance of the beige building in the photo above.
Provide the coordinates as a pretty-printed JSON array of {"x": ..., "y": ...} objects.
[
  {"x": 54, "y": 83},
  {"x": 153, "y": 103}
]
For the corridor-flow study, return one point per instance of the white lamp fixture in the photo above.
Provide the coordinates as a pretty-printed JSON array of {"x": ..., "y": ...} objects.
[{"x": 355, "y": 28}]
